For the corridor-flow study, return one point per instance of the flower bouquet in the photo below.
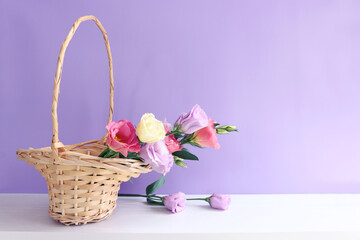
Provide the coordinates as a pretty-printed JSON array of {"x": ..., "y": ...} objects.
[
  {"x": 83, "y": 179},
  {"x": 161, "y": 145}
]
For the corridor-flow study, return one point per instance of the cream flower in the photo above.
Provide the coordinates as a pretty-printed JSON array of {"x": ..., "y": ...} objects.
[{"x": 150, "y": 129}]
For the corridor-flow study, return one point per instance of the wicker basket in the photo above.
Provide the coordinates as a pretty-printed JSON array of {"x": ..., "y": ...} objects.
[{"x": 82, "y": 186}]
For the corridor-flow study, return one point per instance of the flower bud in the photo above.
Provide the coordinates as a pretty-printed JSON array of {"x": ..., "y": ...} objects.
[
  {"x": 225, "y": 129},
  {"x": 175, "y": 202},
  {"x": 220, "y": 201},
  {"x": 231, "y": 128},
  {"x": 221, "y": 131}
]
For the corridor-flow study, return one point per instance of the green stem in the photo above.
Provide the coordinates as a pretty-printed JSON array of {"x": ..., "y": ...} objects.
[
  {"x": 173, "y": 132},
  {"x": 204, "y": 199},
  {"x": 131, "y": 195},
  {"x": 156, "y": 203},
  {"x": 137, "y": 195}
]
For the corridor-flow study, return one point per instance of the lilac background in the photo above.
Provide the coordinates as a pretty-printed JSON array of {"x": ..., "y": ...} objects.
[{"x": 285, "y": 72}]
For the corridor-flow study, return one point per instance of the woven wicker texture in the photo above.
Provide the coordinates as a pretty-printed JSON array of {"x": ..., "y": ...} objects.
[{"x": 82, "y": 186}]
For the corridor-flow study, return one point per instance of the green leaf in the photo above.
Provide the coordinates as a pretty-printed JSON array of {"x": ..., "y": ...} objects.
[
  {"x": 185, "y": 155},
  {"x": 130, "y": 180},
  {"x": 131, "y": 155},
  {"x": 155, "y": 185},
  {"x": 180, "y": 163},
  {"x": 103, "y": 153},
  {"x": 110, "y": 154}
]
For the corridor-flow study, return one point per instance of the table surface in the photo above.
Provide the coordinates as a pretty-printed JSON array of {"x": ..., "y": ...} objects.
[{"x": 335, "y": 214}]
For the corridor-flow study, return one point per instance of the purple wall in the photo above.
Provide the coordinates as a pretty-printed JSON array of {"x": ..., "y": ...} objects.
[{"x": 285, "y": 72}]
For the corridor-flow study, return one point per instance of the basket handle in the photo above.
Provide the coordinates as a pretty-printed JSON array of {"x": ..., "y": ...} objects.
[{"x": 54, "y": 118}]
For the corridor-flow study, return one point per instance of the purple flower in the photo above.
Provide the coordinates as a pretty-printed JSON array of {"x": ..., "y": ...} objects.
[
  {"x": 158, "y": 156},
  {"x": 220, "y": 201},
  {"x": 175, "y": 202},
  {"x": 194, "y": 120}
]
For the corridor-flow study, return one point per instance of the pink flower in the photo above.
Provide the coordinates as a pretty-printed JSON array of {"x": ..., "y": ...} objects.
[
  {"x": 171, "y": 143},
  {"x": 175, "y": 202},
  {"x": 220, "y": 201},
  {"x": 207, "y": 136},
  {"x": 158, "y": 156},
  {"x": 192, "y": 121},
  {"x": 122, "y": 137}
]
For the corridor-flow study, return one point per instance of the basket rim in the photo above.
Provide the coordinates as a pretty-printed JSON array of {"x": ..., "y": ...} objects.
[{"x": 71, "y": 155}]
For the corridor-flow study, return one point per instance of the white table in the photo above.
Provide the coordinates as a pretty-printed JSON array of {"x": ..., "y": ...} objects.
[{"x": 24, "y": 216}]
